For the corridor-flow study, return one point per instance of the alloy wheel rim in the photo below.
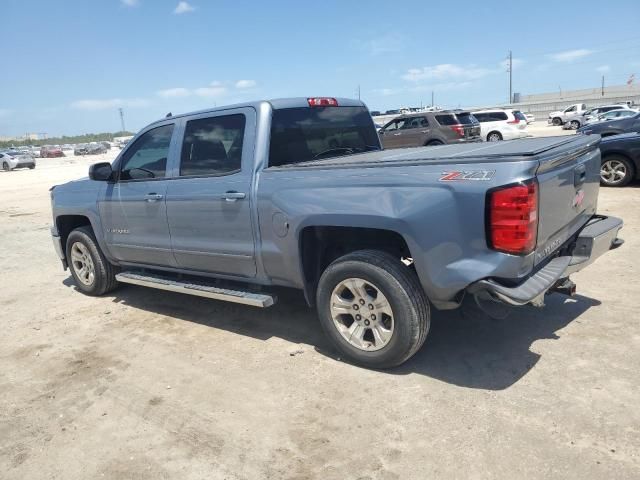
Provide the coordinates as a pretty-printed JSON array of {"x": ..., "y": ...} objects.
[
  {"x": 613, "y": 172},
  {"x": 82, "y": 263},
  {"x": 494, "y": 137},
  {"x": 362, "y": 314}
]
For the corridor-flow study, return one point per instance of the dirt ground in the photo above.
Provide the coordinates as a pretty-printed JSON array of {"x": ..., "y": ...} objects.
[{"x": 145, "y": 384}]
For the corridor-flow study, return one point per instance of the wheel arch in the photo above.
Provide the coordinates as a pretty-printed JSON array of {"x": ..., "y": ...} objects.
[
  {"x": 319, "y": 245},
  {"x": 65, "y": 224},
  {"x": 621, "y": 153}
]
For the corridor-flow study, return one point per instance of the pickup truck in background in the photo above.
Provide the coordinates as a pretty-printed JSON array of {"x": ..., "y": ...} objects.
[
  {"x": 228, "y": 202},
  {"x": 573, "y": 113}
]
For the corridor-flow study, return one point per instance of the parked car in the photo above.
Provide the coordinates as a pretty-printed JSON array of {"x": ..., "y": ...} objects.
[
  {"x": 106, "y": 145},
  {"x": 50, "y": 151},
  {"x": 89, "y": 149},
  {"x": 297, "y": 193},
  {"x": 570, "y": 113},
  {"x": 34, "y": 152},
  {"x": 620, "y": 159},
  {"x": 67, "y": 148},
  {"x": 530, "y": 118},
  {"x": 501, "y": 124},
  {"x": 613, "y": 127},
  {"x": 429, "y": 129},
  {"x": 611, "y": 115},
  {"x": 593, "y": 113},
  {"x": 12, "y": 160}
]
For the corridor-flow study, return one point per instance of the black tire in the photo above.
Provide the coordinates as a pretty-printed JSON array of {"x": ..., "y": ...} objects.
[
  {"x": 494, "y": 137},
  {"x": 575, "y": 124},
  {"x": 399, "y": 284},
  {"x": 32, "y": 166},
  {"x": 104, "y": 272},
  {"x": 556, "y": 122},
  {"x": 628, "y": 168},
  {"x": 5, "y": 166},
  {"x": 433, "y": 143}
]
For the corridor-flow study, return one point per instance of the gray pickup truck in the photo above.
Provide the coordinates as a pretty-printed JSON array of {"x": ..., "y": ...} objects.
[{"x": 228, "y": 202}]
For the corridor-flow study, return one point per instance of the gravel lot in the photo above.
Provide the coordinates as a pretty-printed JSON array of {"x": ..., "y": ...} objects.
[{"x": 145, "y": 384}]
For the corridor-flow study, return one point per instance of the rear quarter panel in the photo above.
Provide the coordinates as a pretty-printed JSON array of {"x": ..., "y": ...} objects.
[{"x": 443, "y": 223}]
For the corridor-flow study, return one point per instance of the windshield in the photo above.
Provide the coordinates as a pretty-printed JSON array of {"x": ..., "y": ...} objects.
[{"x": 303, "y": 134}]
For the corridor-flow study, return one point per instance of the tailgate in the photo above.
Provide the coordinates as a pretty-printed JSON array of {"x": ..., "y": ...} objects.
[{"x": 569, "y": 180}]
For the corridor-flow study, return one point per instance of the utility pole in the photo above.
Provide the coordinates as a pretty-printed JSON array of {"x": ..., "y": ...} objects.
[
  {"x": 432, "y": 104},
  {"x": 358, "y": 91},
  {"x": 603, "y": 85},
  {"x": 510, "y": 70},
  {"x": 122, "y": 119}
]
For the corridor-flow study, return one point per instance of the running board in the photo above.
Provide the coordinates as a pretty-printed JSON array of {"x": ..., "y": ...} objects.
[{"x": 198, "y": 289}]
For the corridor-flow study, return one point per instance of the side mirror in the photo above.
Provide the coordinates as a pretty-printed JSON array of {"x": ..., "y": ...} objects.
[
  {"x": 381, "y": 131},
  {"x": 101, "y": 172}
]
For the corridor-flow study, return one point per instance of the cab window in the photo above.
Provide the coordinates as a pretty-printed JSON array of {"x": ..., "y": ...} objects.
[{"x": 146, "y": 159}]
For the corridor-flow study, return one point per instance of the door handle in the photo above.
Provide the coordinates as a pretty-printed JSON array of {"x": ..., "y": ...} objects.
[
  {"x": 153, "y": 197},
  {"x": 396, "y": 134},
  {"x": 579, "y": 175},
  {"x": 233, "y": 196}
]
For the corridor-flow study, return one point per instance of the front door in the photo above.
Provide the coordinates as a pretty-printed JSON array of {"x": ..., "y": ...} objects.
[
  {"x": 209, "y": 197},
  {"x": 133, "y": 209},
  {"x": 392, "y": 134}
]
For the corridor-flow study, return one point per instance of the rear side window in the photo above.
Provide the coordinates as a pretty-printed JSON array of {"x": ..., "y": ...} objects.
[
  {"x": 447, "y": 119},
  {"x": 309, "y": 133},
  {"x": 490, "y": 116},
  {"x": 212, "y": 146}
]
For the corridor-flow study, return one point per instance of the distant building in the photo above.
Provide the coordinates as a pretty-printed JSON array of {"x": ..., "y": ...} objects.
[{"x": 541, "y": 104}]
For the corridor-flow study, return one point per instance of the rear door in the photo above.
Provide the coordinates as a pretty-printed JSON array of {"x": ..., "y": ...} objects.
[
  {"x": 414, "y": 131},
  {"x": 209, "y": 196},
  {"x": 133, "y": 210}
]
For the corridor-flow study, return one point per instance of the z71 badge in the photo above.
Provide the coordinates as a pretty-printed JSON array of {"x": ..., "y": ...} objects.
[{"x": 473, "y": 175}]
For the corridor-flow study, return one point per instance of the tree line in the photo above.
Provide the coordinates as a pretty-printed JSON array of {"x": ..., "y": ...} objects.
[{"x": 86, "y": 138}]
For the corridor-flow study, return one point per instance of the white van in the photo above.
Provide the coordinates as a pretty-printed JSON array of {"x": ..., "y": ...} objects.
[{"x": 501, "y": 124}]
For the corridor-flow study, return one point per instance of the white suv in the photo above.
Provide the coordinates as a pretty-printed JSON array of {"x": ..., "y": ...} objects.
[{"x": 500, "y": 124}]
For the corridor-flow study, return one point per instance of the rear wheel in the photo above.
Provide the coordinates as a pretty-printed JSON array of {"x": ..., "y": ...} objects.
[
  {"x": 5, "y": 166},
  {"x": 91, "y": 271},
  {"x": 32, "y": 166},
  {"x": 433, "y": 143},
  {"x": 373, "y": 308},
  {"x": 575, "y": 124},
  {"x": 616, "y": 171},
  {"x": 557, "y": 121},
  {"x": 494, "y": 137}
]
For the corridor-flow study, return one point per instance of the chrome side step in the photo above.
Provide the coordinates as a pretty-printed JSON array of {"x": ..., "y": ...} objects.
[{"x": 198, "y": 289}]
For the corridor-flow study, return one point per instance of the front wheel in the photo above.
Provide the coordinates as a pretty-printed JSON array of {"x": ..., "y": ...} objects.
[
  {"x": 615, "y": 171},
  {"x": 5, "y": 166},
  {"x": 91, "y": 271},
  {"x": 373, "y": 308},
  {"x": 556, "y": 122}
]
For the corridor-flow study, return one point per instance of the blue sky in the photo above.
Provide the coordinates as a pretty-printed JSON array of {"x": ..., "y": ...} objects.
[{"x": 69, "y": 64}]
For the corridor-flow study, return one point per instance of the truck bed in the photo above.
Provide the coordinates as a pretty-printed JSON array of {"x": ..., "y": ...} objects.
[{"x": 508, "y": 151}]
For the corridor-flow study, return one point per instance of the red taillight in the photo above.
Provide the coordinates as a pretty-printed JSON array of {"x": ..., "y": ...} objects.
[
  {"x": 514, "y": 122},
  {"x": 512, "y": 220},
  {"x": 459, "y": 129},
  {"x": 322, "y": 102}
]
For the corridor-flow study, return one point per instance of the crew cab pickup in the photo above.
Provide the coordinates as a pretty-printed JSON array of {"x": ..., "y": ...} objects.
[{"x": 229, "y": 202}]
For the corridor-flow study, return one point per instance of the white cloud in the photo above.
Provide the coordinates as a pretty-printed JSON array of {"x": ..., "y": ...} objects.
[
  {"x": 570, "y": 55},
  {"x": 174, "y": 92},
  {"x": 215, "y": 89},
  {"x": 130, "y": 3},
  {"x": 105, "y": 104},
  {"x": 183, "y": 7},
  {"x": 446, "y": 71},
  {"x": 246, "y": 83},
  {"x": 603, "y": 68}
]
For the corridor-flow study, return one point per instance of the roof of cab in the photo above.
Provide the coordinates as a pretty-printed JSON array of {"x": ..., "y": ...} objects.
[{"x": 276, "y": 104}]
